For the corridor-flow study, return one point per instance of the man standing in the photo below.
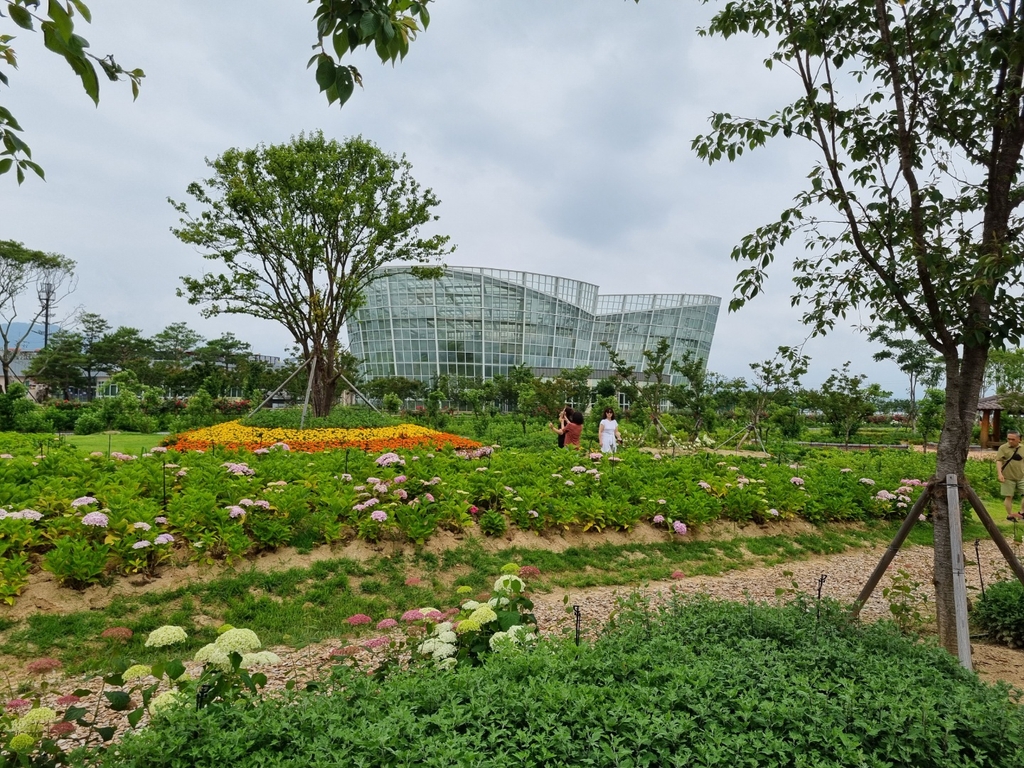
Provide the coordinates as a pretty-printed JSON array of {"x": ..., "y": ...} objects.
[{"x": 1010, "y": 467}]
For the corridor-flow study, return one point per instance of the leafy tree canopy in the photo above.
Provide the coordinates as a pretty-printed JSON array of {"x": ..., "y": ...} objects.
[{"x": 299, "y": 230}]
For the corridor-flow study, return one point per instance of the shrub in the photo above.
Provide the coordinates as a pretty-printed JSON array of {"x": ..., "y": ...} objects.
[
  {"x": 89, "y": 423},
  {"x": 701, "y": 683},
  {"x": 1001, "y": 612}
]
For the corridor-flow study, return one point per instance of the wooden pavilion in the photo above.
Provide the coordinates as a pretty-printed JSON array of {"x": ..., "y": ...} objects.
[{"x": 991, "y": 408}]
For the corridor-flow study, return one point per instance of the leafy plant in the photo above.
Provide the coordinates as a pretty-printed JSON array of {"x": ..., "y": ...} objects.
[
  {"x": 77, "y": 562},
  {"x": 1000, "y": 612},
  {"x": 906, "y": 602}
]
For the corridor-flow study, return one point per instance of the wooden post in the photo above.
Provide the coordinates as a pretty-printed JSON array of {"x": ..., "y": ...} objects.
[
  {"x": 984, "y": 427},
  {"x": 894, "y": 547},
  {"x": 995, "y": 533},
  {"x": 956, "y": 543},
  {"x": 997, "y": 432}
]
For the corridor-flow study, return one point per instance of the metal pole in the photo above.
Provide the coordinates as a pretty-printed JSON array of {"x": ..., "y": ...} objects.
[
  {"x": 956, "y": 543},
  {"x": 894, "y": 547},
  {"x": 282, "y": 386},
  {"x": 994, "y": 532},
  {"x": 353, "y": 388},
  {"x": 309, "y": 388}
]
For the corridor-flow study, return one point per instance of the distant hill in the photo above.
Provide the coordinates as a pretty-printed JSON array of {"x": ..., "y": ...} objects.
[{"x": 35, "y": 336}]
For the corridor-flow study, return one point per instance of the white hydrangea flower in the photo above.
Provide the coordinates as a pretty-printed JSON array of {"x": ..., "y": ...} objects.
[
  {"x": 521, "y": 634},
  {"x": 447, "y": 637},
  {"x": 448, "y": 663},
  {"x": 214, "y": 656},
  {"x": 166, "y": 701},
  {"x": 238, "y": 640},
  {"x": 470, "y": 605},
  {"x": 259, "y": 658},
  {"x": 444, "y": 626},
  {"x": 34, "y": 721},
  {"x": 500, "y": 641},
  {"x": 135, "y": 672},
  {"x": 166, "y": 635},
  {"x": 498, "y": 602}
]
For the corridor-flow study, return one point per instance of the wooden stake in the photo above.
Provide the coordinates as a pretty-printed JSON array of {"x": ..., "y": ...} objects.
[
  {"x": 956, "y": 543},
  {"x": 894, "y": 547}
]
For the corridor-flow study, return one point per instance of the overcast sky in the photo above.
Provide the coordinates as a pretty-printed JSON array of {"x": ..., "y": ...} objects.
[{"x": 556, "y": 134}]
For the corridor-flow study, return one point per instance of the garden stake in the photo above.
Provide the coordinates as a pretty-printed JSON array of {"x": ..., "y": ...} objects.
[
  {"x": 164, "y": 478},
  {"x": 201, "y": 694},
  {"x": 821, "y": 583},
  {"x": 977, "y": 558},
  {"x": 346, "y": 459},
  {"x": 579, "y": 620},
  {"x": 108, "y": 445}
]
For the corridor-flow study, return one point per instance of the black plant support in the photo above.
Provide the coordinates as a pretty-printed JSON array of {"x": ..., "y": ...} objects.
[
  {"x": 163, "y": 478},
  {"x": 346, "y": 459},
  {"x": 579, "y": 622},
  {"x": 201, "y": 695},
  {"x": 977, "y": 559},
  {"x": 821, "y": 584}
]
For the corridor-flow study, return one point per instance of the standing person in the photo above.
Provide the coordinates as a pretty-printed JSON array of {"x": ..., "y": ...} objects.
[
  {"x": 608, "y": 432},
  {"x": 563, "y": 418},
  {"x": 573, "y": 429},
  {"x": 1010, "y": 468}
]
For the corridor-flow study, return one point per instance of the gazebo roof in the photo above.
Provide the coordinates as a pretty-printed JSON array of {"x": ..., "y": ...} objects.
[{"x": 1015, "y": 402}]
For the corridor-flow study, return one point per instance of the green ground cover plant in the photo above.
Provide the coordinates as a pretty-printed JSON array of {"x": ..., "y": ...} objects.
[
  {"x": 1000, "y": 612},
  {"x": 88, "y": 517},
  {"x": 698, "y": 683}
]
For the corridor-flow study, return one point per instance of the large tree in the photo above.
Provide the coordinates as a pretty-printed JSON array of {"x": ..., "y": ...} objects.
[
  {"x": 916, "y": 113},
  {"x": 24, "y": 273},
  {"x": 299, "y": 230}
]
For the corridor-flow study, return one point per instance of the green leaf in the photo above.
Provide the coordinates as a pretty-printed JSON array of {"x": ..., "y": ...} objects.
[
  {"x": 325, "y": 75},
  {"x": 106, "y": 733},
  {"x": 344, "y": 84},
  {"x": 5, "y": 164},
  {"x": 175, "y": 669},
  {"x": 83, "y": 9},
  {"x": 20, "y": 16},
  {"x": 61, "y": 18},
  {"x": 135, "y": 716},
  {"x": 75, "y": 713},
  {"x": 369, "y": 24},
  {"x": 119, "y": 700}
]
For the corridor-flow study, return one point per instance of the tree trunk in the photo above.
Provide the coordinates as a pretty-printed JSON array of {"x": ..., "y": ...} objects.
[
  {"x": 963, "y": 387},
  {"x": 325, "y": 385}
]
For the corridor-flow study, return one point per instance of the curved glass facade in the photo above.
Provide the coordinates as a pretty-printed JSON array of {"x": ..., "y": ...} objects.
[{"x": 479, "y": 322}]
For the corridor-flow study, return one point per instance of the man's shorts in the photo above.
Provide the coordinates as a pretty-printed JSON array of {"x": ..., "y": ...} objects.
[{"x": 1011, "y": 487}]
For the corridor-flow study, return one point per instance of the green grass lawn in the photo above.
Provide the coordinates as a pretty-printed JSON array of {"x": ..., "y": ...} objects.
[{"x": 125, "y": 442}]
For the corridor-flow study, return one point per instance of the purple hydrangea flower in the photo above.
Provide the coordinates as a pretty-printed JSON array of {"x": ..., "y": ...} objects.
[
  {"x": 142, "y": 544},
  {"x": 83, "y": 501},
  {"x": 235, "y": 511},
  {"x": 379, "y": 515},
  {"x": 679, "y": 527},
  {"x": 659, "y": 519},
  {"x": 164, "y": 538},
  {"x": 160, "y": 520},
  {"x": 96, "y": 519},
  {"x": 141, "y": 526}
]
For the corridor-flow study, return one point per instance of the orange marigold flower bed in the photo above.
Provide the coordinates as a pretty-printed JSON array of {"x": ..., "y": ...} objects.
[{"x": 233, "y": 434}]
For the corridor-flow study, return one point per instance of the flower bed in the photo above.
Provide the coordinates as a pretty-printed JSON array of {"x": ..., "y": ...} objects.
[
  {"x": 233, "y": 434},
  {"x": 85, "y": 518}
]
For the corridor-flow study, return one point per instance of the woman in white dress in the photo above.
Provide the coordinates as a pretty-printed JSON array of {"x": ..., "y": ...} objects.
[{"x": 608, "y": 432}]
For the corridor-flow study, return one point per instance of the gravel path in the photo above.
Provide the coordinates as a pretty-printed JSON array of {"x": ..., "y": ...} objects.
[{"x": 846, "y": 574}]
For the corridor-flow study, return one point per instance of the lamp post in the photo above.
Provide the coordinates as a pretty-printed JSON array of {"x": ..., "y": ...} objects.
[{"x": 45, "y": 291}]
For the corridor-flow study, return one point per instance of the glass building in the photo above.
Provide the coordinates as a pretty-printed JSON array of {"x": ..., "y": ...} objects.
[{"x": 479, "y": 322}]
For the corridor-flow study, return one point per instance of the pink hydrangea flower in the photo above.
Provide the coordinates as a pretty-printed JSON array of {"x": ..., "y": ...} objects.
[
  {"x": 679, "y": 527},
  {"x": 67, "y": 700},
  {"x": 678, "y": 575},
  {"x": 399, "y": 479},
  {"x": 235, "y": 511},
  {"x": 386, "y": 624},
  {"x": 379, "y": 515},
  {"x": 428, "y": 496},
  {"x": 141, "y": 544},
  {"x": 160, "y": 520},
  {"x": 359, "y": 618},
  {"x": 83, "y": 501},
  {"x": 798, "y": 481},
  {"x": 18, "y": 706},
  {"x": 376, "y": 642},
  {"x": 164, "y": 538},
  {"x": 659, "y": 519}
]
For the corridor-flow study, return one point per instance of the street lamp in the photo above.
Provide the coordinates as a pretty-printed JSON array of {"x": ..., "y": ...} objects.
[{"x": 46, "y": 291}]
